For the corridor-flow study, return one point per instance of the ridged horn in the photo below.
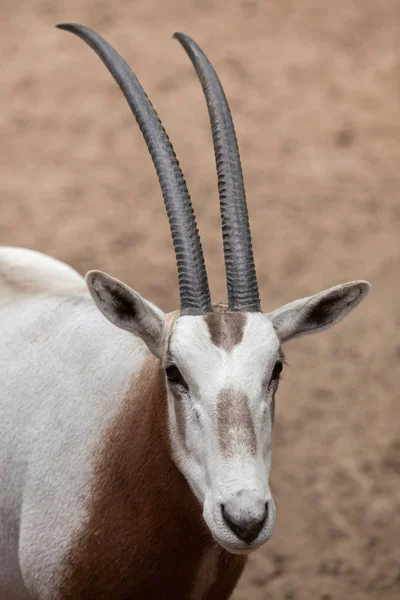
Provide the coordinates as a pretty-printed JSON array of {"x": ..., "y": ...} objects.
[
  {"x": 239, "y": 263},
  {"x": 193, "y": 284}
]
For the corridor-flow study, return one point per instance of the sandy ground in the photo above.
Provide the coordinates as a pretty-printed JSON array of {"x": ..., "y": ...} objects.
[{"x": 315, "y": 92}]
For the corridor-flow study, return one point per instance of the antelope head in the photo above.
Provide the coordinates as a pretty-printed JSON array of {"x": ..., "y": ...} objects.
[{"x": 222, "y": 363}]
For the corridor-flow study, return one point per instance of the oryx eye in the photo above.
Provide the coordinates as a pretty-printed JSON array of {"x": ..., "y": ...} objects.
[
  {"x": 277, "y": 370},
  {"x": 174, "y": 376}
]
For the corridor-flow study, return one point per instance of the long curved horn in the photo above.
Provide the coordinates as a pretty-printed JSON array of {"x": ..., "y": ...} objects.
[
  {"x": 193, "y": 284},
  {"x": 240, "y": 270}
]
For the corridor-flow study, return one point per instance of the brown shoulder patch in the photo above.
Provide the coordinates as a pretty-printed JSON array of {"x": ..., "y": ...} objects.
[
  {"x": 235, "y": 425},
  {"x": 226, "y": 328},
  {"x": 145, "y": 535}
]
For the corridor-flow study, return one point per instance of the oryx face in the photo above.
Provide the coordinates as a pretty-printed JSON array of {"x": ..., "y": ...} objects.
[
  {"x": 221, "y": 366},
  {"x": 222, "y": 373}
]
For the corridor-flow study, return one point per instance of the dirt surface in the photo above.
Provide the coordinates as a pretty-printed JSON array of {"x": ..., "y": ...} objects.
[{"x": 315, "y": 92}]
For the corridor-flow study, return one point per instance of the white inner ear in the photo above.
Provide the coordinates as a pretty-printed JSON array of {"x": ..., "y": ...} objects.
[
  {"x": 316, "y": 313},
  {"x": 126, "y": 309}
]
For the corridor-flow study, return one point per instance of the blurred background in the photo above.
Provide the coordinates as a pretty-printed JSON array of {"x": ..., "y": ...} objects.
[{"x": 314, "y": 88}]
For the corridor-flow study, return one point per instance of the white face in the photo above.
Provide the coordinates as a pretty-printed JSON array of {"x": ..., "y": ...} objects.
[{"x": 222, "y": 373}]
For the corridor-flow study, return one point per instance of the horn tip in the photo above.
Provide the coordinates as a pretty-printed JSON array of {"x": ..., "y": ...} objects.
[
  {"x": 182, "y": 37},
  {"x": 64, "y": 25},
  {"x": 73, "y": 27}
]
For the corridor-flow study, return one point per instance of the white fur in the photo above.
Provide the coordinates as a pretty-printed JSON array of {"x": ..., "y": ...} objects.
[
  {"x": 208, "y": 369},
  {"x": 65, "y": 370}
]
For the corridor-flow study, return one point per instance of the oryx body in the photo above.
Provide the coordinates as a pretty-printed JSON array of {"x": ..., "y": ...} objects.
[{"x": 135, "y": 449}]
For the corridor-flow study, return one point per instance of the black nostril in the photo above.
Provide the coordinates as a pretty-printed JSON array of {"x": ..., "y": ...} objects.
[{"x": 245, "y": 529}]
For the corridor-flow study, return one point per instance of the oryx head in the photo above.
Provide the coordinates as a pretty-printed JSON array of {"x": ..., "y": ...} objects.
[{"x": 222, "y": 363}]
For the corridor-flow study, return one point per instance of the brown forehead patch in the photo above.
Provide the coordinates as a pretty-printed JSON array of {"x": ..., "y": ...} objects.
[
  {"x": 226, "y": 328},
  {"x": 235, "y": 425}
]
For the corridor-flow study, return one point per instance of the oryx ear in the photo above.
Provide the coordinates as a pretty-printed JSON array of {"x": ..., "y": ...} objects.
[
  {"x": 316, "y": 313},
  {"x": 126, "y": 309}
]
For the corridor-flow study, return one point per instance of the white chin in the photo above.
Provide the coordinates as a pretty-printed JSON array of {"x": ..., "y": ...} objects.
[{"x": 237, "y": 549}]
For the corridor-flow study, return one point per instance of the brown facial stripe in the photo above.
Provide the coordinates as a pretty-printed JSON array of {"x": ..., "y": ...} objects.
[
  {"x": 178, "y": 402},
  {"x": 273, "y": 409},
  {"x": 235, "y": 425},
  {"x": 226, "y": 328},
  {"x": 180, "y": 416}
]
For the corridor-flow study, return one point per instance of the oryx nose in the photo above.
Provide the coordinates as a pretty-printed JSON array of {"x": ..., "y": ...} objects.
[{"x": 246, "y": 528}]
